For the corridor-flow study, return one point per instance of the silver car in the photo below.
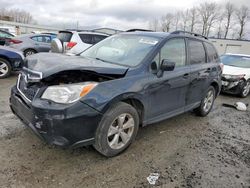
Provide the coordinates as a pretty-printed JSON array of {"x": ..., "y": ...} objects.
[{"x": 31, "y": 43}]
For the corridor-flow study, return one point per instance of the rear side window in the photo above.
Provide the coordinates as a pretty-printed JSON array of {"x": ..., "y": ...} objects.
[
  {"x": 211, "y": 53},
  {"x": 86, "y": 38},
  {"x": 197, "y": 52},
  {"x": 64, "y": 36},
  {"x": 45, "y": 39},
  {"x": 38, "y": 39},
  {"x": 175, "y": 51},
  {"x": 98, "y": 38}
]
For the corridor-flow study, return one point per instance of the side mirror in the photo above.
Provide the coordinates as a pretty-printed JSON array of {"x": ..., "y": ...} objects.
[{"x": 167, "y": 65}]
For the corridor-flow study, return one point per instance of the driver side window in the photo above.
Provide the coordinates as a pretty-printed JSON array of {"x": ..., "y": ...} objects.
[{"x": 174, "y": 50}]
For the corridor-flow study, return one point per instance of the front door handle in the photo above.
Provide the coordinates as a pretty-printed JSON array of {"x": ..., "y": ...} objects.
[{"x": 186, "y": 75}]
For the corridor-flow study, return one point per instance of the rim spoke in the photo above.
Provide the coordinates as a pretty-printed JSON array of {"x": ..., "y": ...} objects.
[
  {"x": 112, "y": 130},
  {"x": 128, "y": 124},
  {"x": 3, "y": 71},
  {"x": 124, "y": 137},
  {"x": 115, "y": 140},
  {"x": 121, "y": 119},
  {"x": 2, "y": 66}
]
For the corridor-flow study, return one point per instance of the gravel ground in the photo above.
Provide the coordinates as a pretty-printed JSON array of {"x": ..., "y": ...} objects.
[{"x": 187, "y": 151}]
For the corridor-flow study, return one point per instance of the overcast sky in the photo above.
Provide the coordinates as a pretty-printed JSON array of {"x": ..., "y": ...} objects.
[{"x": 119, "y": 14}]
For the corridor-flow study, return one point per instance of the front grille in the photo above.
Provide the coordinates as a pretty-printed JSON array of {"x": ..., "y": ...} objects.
[{"x": 28, "y": 91}]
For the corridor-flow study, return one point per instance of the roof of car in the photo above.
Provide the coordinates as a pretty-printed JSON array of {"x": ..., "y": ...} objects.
[
  {"x": 31, "y": 35},
  {"x": 147, "y": 33},
  {"x": 84, "y": 32},
  {"x": 164, "y": 35}
]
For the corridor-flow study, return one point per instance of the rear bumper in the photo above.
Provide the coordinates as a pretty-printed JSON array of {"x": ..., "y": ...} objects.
[{"x": 66, "y": 126}]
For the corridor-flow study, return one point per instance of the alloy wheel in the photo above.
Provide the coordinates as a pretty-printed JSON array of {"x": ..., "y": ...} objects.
[
  {"x": 246, "y": 89},
  {"x": 121, "y": 131},
  {"x": 208, "y": 101},
  {"x": 28, "y": 53},
  {"x": 3, "y": 68}
]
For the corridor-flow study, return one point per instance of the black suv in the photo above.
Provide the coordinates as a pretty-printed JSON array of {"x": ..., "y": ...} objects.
[{"x": 104, "y": 94}]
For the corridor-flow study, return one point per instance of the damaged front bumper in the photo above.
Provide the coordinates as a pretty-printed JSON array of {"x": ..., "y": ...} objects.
[
  {"x": 62, "y": 125},
  {"x": 232, "y": 86}
]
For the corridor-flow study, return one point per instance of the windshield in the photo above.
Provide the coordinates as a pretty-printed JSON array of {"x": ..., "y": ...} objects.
[
  {"x": 236, "y": 61},
  {"x": 128, "y": 50}
]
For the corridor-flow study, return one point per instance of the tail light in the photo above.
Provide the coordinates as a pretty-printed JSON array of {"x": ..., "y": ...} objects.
[
  {"x": 71, "y": 45},
  {"x": 14, "y": 41}
]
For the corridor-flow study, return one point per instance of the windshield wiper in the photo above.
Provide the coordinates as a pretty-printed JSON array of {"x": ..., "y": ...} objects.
[{"x": 99, "y": 59}]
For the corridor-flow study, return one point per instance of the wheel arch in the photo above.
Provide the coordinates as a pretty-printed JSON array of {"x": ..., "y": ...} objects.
[
  {"x": 216, "y": 86},
  {"x": 5, "y": 58},
  {"x": 30, "y": 49},
  {"x": 131, "y": 99}
]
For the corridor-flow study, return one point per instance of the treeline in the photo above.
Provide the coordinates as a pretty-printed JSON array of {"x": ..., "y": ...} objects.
[
  {"x": 207, "y": 18},
  {"x": 16, "y": 15}
]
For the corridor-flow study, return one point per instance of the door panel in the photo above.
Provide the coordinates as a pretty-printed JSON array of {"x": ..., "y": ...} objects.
[
  {"x": 167, "y": 92},
  {"x": 199, "y": 74}
]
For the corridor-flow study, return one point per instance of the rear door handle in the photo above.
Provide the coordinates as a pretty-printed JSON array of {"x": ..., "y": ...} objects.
[
  {"x": 186, "y": 75},
  {"x": 208, "y": 70}
]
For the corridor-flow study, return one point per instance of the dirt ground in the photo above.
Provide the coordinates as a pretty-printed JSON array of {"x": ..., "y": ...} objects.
[{"x": 187, "y": 151}]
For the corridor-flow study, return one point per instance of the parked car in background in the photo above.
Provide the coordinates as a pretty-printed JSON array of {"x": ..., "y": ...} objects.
[
  {"x": 101, "y": 96},
  {"x": 10, "y": 60},
  {"x": 9, "y": 29},
  {"x": 31, "y": 43},
  {"x": 74, "y": 42},
  {"x": 236, "y": 74},
  {"x": 4, "y": 35}
]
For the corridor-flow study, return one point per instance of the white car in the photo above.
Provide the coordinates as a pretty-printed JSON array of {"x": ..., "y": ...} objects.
[
  {"x": 74, "y": 42},
  {"x": 236, "y": 74}
]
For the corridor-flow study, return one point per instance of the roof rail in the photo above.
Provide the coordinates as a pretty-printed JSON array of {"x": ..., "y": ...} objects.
[
  {"x": 190, "y": 33},
  {"x": 133, "y": 30}
]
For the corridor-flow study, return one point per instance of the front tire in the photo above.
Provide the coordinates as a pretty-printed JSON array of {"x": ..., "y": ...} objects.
[
  {"x": 206, "y": 103},
  {"x": 29, "y": 52},
  {"x": 246, "y": 89},
  {"x": 5, "y": 68},
  {"x": 117, "y": 129}
]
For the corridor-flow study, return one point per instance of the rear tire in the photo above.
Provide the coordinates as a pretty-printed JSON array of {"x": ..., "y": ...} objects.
[
  {"x": 117, "y": 129},
  {"x": 207, "y": 103},
  {"x": 246, "y": 89},
  {"x": 5, "y": 68},
  {"x": 29, "y": 52}
]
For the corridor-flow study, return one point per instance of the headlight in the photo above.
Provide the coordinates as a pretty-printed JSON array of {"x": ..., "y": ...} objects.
[
  {"x": 68, "y": 93},
  {"x": 233, "y": 77}
]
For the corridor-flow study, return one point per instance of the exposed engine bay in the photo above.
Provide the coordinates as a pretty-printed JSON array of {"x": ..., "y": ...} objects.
[{"x": 77, "y": 76}]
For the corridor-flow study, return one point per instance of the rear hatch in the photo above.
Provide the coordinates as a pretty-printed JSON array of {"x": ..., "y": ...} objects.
[{"x": 63, "y": 39}]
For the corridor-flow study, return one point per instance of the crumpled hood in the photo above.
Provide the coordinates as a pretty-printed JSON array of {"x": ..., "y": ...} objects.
[
  {"x": 51, "y": 63},
  {"x": 235, "y": 70}
]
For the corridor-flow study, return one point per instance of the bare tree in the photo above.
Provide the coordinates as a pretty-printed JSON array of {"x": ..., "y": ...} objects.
[
  {"x": 219, "y": 26},
  {"x": 176, "y": 21},
  {"x": 193, "y": 13},
  {"x": 229, "y": 10},
  {"x": 209, "y": 14},
  {"x": 185, "y": 18},
  {"x": 154, "y": 24},
  {"x": 166, "y": 22},
  {"x": 17, "y": 15},
  {"x": 242, "y": 16}
]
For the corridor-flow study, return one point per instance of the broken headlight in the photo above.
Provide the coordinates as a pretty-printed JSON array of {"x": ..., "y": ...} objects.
[{"x": 68, "y": 93}]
